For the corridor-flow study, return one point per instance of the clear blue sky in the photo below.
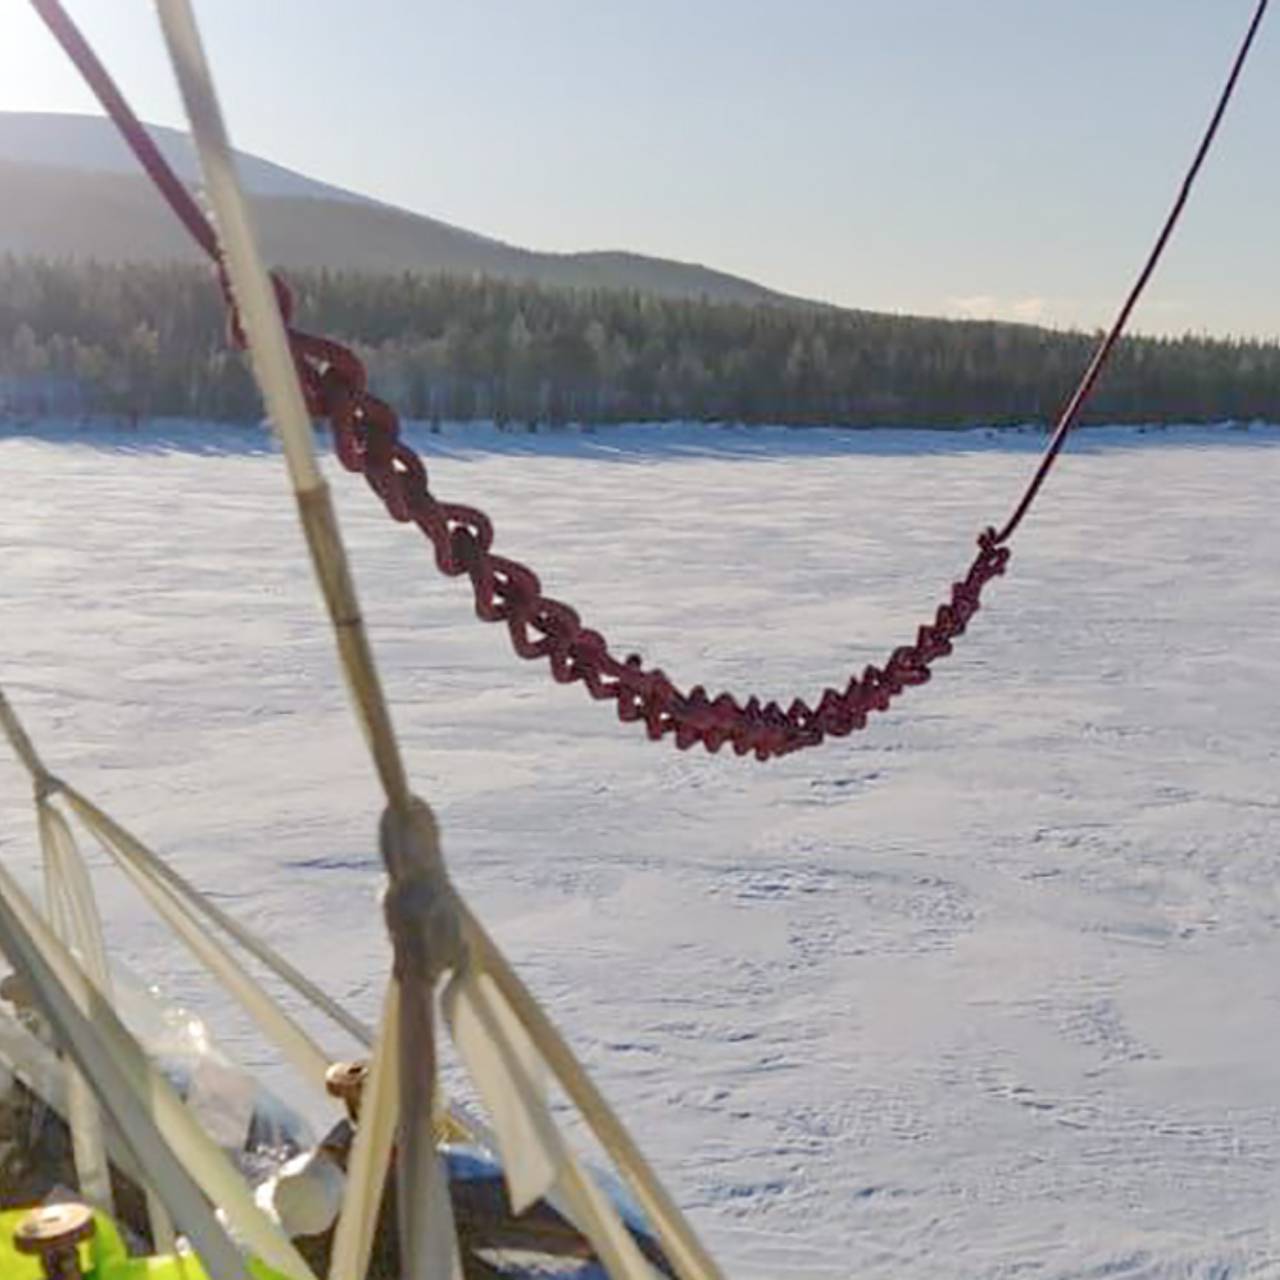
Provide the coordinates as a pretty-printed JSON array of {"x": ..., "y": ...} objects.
[{"x": 1008, "y": 157}]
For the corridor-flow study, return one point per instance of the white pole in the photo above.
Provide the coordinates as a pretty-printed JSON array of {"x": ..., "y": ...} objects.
[
  {"x": 424, "y": 1210},
  {"x": 273, "y": 364}
]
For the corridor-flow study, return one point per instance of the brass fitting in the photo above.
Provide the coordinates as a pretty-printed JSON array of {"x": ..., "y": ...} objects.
[{"x": 52, "y": 1233}]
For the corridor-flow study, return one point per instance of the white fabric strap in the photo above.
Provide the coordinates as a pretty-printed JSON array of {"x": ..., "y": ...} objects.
[
  {"x": 503, "y": 1064},
  {"x": 176, "y": 1154},
  {"x": 33, "y": 948},
  {"x": 74, "y": 916},
  {"x": 525, "y": 1136},
  {"x": 685, "y": 1251},
  {"x": 293, "y": 1042},
  {"x": 371, "y": 1151},
  {"x": 130, "y": 846},
  {"x": 43, "y": 1073}
]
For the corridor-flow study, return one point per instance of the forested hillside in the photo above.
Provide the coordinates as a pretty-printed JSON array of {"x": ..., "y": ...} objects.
[{"x": 151, "y": 340}]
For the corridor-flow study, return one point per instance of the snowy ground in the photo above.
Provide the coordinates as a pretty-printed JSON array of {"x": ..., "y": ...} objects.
[{"x": 991, "y": 989}]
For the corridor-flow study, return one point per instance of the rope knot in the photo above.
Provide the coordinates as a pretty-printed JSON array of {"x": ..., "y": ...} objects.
[
  {"x": 420, "y": 904},
  {"x": 46, "y": 785}
]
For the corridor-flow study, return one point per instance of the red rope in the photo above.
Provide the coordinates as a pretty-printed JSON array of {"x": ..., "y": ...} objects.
[
  {"x": 113, "y": 101},
  {"x": 1067, "y": 420},
  {"x": 366, "y": 434}
]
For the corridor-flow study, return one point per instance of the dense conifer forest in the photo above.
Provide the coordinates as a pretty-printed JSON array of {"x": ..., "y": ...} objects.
[{"x": 150, "y": 340}]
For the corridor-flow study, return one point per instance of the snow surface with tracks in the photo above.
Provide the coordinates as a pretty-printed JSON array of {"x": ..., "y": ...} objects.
[{"x": 989, "y": 989}]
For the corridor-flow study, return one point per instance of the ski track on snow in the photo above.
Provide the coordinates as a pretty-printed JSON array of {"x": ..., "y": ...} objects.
[{"x": 989, "y": 989}]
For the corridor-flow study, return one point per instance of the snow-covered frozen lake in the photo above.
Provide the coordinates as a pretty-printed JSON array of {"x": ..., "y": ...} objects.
[{"x": 990, "y": 989}]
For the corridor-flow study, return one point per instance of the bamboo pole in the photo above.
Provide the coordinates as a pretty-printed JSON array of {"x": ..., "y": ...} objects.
[{"x": 273, "y": 365}]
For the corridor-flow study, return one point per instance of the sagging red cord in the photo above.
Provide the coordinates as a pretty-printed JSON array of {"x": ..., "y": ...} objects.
[{"x": 367, "y": 440}]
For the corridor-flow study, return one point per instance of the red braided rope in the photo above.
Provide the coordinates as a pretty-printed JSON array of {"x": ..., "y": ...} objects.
[
  {"x": 366, "y": 433},
  {"x": 367, "y": 440}
]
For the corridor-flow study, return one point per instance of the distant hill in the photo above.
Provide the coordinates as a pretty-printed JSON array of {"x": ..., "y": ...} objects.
[
  {"x": 72, "y": 190},
  {"x": 93, "y": 145}
]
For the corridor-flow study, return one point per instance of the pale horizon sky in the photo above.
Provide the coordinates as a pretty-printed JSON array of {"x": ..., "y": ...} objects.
[{"x": 1006, "y": 158}]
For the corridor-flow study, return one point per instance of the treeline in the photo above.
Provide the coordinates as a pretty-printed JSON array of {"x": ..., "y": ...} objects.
[{"x": 150, "y": 340}]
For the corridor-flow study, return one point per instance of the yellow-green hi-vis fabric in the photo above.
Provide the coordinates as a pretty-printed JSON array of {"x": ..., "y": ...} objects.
[{"x": 105, "y": 1258}]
